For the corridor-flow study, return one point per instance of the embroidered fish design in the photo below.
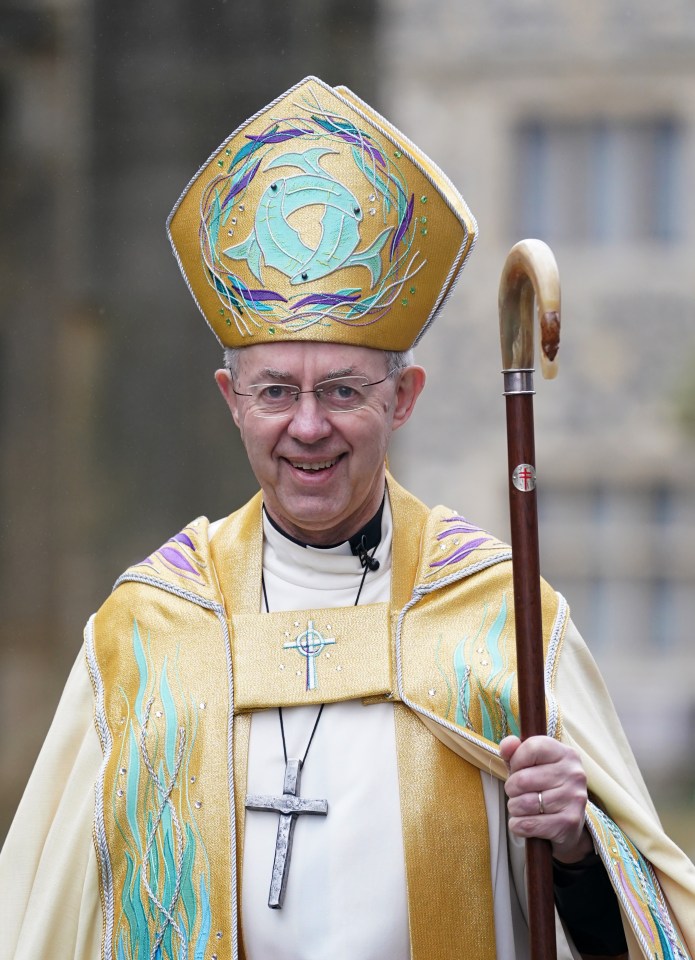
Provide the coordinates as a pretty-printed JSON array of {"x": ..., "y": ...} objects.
[{"x": 280, "y": 245}]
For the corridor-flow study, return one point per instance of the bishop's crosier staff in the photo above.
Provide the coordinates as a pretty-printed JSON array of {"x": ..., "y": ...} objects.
[{"x": 529, "y": 273}]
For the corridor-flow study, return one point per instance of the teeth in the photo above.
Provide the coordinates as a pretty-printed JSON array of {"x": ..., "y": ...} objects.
[{"x": 314, "y": 466}]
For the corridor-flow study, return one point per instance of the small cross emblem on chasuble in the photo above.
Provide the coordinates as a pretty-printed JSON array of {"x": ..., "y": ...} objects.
[
  {"x": 289, "y": 806},
  {"x": 310, "y": 644}
]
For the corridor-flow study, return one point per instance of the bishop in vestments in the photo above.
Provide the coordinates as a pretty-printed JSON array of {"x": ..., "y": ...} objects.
[{"x": 292, "y": 733}]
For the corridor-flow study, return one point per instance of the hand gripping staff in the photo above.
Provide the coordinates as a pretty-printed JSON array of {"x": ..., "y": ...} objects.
[{"x": 529, "y": 273}]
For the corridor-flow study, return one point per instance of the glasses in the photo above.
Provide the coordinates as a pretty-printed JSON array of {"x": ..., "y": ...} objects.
[{"x": 339, "y": 395}]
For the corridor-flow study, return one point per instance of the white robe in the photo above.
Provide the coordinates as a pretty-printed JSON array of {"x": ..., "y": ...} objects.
[{"x": 346, "y": 893}]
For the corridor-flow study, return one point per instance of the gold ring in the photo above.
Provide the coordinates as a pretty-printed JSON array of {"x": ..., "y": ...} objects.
[{"x": 541, "y": 808}]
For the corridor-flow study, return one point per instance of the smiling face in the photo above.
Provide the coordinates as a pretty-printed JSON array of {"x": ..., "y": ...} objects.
[{"x": 322, "y": 473}]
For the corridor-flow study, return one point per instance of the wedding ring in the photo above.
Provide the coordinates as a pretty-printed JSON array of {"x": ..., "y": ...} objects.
[{"x": 541, "y": 808}]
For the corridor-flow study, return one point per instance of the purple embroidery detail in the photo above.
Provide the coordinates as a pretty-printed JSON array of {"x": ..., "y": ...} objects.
[
  {"x": 459, "y": 525},
  {"x": 258, "y": 295},
  {"x": 462, "y": 552},
  {"x": 348, "y": 131},
  {"x": 277, "y": 137},
  {"x": 463, "y": 528},
  {"x": 240, "y": 184},
  {"x": 176, "y": 559},
  {"x": 402, "y": 226},
  {"x": 634, "y": 903},
  {"x": 328, "y": 299},
  {"x": 373, "y": 152},
  {"x": 185, "y": 539}
]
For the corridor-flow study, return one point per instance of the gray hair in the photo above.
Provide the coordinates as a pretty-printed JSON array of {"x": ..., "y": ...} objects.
[{"x": 396, "y": 360}]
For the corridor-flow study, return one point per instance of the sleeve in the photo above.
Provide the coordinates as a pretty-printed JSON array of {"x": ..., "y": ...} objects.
[
  {"x": 48, "y": 871},
  {"x": 616, "y": 787}
]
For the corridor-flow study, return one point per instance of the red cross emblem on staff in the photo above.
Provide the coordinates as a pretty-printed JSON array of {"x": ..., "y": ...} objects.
[{"x": 524, "y": 477}]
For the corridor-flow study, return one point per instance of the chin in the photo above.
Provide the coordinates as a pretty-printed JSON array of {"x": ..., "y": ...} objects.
[{"x": 309, "y": 517}]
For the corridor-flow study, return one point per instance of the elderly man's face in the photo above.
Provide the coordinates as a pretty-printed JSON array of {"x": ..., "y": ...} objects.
[{"x": 322, "y": 473}]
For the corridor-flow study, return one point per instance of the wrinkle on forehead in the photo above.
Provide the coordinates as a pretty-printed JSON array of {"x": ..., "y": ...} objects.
[{"x": 266, "y": 363}]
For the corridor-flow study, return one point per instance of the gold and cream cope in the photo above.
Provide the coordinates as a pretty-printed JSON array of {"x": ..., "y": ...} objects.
[{"x": 174, "y": 726}]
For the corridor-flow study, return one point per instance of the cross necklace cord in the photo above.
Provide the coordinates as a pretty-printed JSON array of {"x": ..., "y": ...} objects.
[{"x": 290, "y": 805}]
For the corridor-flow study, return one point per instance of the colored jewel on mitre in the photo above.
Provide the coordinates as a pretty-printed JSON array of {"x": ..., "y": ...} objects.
[{"x": 318, "y": 220}]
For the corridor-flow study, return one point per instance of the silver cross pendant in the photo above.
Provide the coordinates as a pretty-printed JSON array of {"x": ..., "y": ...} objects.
[{"x": 289, "y": 806}]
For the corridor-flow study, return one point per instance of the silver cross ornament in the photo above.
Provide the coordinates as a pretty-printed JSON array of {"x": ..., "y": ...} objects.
[{"x": 289, "y": 806}]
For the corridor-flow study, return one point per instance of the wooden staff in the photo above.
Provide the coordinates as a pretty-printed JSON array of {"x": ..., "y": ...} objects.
[{"x": 529, "y": 273}]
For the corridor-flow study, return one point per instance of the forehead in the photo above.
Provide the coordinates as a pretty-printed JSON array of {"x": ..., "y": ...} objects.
[{"x": 311, "y": 361}]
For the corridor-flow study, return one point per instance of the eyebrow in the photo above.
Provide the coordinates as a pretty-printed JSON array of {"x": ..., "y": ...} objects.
[{"x": 269, "y": 375}]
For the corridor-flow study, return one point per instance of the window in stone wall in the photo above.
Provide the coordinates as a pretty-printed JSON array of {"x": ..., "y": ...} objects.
[
  {"x": 622, "y": 556},
  {"x": 602, "y": 181}
]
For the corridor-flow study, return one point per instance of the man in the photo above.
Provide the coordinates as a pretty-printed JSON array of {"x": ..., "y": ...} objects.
[{"x": 305, "y": 712}]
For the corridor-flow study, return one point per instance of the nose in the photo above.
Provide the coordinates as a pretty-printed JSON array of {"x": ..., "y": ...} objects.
[{"x": 309, "y": 422}]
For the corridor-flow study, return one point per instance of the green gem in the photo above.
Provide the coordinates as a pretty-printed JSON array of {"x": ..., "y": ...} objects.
[
  {"x": 423, "y": 219},
  {"x": 423, "y": 199},
  {"x": 228, "y": 152},
  {"x": 404, "y": 301},
  {"x": 271, "y": 329},
  {"x": 220, "y": 163},
  {"x": 424, "y": 231},
  {"x": 397, "y": 154},
  {"x": 221, "y": 313},
  {"x": 412, "y": 289},
  {"x": 228, "y": 321}
]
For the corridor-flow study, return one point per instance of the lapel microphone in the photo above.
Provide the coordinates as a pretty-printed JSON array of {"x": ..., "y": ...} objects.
[{"x": 363, "y": 554}]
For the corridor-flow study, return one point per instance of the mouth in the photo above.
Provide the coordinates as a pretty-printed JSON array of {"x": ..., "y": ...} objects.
[{"x": 316, "y": 466}]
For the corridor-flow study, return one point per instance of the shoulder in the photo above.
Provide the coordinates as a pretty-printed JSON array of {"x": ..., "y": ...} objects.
[
  {"x": 454, "y": 547},
  {"x": 182, "y": 564}
]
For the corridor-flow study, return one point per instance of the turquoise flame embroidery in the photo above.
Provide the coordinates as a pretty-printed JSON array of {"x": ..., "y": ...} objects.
[
  {"x": 483, "y": 675},
  {"x": 165, "y": 902}
]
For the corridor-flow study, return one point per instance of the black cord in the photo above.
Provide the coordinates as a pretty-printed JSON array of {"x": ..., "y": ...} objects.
[
  {"x": 367, "y": 564},
  {"x": 282, "y": 731}
]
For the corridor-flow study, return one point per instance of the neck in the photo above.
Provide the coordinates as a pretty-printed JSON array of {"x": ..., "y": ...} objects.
[
  {"x": 328, "y": 534},
  {"x": 366, "y": 537}
]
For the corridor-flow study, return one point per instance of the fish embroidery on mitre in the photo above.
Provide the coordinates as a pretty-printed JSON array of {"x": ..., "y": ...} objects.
[
  {"x": 332, "y": 201},
  {"x": 280, "y": 245}
]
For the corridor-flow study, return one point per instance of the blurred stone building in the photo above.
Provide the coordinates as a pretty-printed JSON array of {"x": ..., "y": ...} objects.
[
  {"x": 574, "y": 122},
  {"x": 112, "y": 433}
]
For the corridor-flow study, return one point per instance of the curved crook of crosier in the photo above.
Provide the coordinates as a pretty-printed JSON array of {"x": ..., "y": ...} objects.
[{"x": 530, "y": 272}]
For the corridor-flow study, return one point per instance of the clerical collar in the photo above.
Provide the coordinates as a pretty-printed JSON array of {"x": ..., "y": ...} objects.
[{"x": 367, "y": 537}]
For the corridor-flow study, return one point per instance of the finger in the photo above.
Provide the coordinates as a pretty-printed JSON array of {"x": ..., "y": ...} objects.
[
  {"x": 550, "y": 776},
  {"x": 566, "y": 774},
  {"x": 537, "y": 751},
  {"x": 543, "y": 803},
  {"x": 508, "y": 748},
  {"x": 562, "y": 827},
  {"x": 530, "y": 804}
]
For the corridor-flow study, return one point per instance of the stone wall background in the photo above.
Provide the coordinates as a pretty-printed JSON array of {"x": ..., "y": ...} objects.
[{"x": 112, "y": 432}]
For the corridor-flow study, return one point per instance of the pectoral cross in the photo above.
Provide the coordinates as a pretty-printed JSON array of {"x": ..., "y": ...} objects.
[{"x": 289, "y": 806}]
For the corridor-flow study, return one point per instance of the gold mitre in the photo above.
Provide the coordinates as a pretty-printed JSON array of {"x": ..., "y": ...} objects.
[{"x": 318, "y": 220}]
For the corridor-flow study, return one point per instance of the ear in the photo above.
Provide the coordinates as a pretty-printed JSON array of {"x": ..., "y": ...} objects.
[
  {"x": 410, "y": 385},
  {"x": 223, "y": 379}
]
